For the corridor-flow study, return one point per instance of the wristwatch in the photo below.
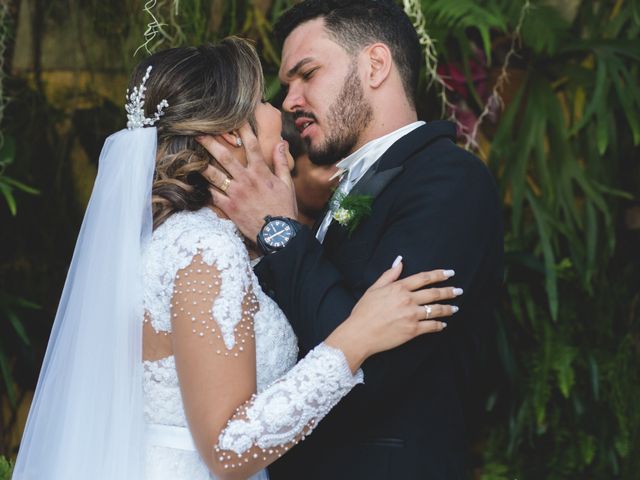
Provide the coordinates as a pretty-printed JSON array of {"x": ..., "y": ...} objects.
[{"x": 276, "y": 233}]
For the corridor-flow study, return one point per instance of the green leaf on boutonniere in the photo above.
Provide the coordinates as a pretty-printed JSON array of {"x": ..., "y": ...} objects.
[{"x": 350, "y": 210}]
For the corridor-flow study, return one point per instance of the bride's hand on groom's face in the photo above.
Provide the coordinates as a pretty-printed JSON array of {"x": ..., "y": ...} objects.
[{"x": 248, "y": 190}]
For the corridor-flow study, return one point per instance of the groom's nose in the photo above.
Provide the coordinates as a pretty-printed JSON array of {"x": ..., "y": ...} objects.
[{"x": 294, "y": 99}]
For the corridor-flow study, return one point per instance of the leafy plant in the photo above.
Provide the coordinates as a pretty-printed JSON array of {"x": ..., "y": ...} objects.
[
  {"x": 8, "y": 184},
  {"x": 14, "y": 335},
  {"x": 562, "y": 408},
  {"x": 6, "y": 467}
]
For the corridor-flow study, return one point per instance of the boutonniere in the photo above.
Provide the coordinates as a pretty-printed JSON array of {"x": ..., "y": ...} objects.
[{"x": 350, "y": 210}]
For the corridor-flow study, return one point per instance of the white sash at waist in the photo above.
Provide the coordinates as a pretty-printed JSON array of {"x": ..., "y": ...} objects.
[
  {"x": 180, "y": 438},
  {"x": 169, "y": 436}
]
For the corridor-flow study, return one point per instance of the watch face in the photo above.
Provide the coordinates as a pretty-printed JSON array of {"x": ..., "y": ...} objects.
[{"x": 277, "y": 233}]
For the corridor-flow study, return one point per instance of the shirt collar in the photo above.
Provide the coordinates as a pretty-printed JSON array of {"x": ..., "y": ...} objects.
[{"x": 373, "y": 150}]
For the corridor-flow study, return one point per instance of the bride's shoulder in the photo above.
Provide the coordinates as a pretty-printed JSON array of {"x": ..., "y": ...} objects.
[{"x": 186, "y": 234}]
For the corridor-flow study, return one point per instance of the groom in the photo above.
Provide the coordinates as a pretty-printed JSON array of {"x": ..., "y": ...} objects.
[{"x": 351, "y": 70}]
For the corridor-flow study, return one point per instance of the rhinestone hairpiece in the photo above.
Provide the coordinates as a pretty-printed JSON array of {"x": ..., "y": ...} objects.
[{"x": 135, "y": 106}]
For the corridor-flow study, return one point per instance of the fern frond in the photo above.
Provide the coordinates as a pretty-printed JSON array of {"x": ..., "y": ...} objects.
[{"x": 456, "y": 14}]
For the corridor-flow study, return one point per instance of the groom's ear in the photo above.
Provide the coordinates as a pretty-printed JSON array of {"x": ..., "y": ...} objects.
[
  {"x": 231, "y": 138},
  {"x": 379, "y": 61}
]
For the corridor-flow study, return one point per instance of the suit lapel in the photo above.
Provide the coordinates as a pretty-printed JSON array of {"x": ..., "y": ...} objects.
[
  {"x": 388, "y": 167},
  {"x": 372, "y": 184},
  {"x": 390, "y": 164}
]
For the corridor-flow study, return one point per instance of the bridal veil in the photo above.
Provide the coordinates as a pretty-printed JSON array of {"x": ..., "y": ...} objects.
[{"x": 86, "y": 419}]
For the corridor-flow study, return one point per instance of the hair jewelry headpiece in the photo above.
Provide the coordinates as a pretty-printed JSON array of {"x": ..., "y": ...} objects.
[{"x": 135, "y": 106}]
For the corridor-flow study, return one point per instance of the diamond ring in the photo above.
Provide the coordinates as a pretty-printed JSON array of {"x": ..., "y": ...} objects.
[{"x": 428, "y": 310}]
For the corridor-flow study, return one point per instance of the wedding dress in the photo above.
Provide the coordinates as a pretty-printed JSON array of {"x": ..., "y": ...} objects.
[{"x": 289, "y": 401}]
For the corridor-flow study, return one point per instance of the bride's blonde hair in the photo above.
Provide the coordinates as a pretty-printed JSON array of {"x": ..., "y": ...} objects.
[{"x": 210, "y": 89}]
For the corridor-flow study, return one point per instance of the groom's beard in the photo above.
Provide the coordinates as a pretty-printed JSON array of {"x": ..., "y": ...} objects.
[{"x": 347, "y": 117}]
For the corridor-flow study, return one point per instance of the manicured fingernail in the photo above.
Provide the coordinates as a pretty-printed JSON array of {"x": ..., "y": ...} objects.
[
  {"x": 454, "y": 309},
  {"x": 444, "y": 324},
  {"x": 449, "y": 273},
  {"x": 397, "y": 261},
  {"x": 458, "y": 291},
  {"x": 282, "y": 147}
]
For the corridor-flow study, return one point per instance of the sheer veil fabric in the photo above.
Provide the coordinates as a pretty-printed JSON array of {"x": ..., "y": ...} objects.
[{"x": 86, "y": 419}]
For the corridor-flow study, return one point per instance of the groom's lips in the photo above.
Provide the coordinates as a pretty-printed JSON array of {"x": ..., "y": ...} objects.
[{"x": 303, "y": 124}]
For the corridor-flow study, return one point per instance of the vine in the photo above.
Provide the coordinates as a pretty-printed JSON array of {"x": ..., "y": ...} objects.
[
  {"x": 414, "y": 10},
  {"x": 495, "y": 101},
  {"x": 154, "y": 27}
]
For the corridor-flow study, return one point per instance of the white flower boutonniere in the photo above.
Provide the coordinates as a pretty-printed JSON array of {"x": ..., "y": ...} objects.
[
  {"x": 350, "y": 210},
  {"x": 342, "y": 216}
]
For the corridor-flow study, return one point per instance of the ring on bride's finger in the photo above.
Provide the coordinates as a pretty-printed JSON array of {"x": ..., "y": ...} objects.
[
  {"x": 428, "y": 310},
  {"x": 225, "y": 184}
]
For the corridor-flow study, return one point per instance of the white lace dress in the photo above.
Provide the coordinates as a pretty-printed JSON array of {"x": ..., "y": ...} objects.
[{"x": 288, "y": 402}]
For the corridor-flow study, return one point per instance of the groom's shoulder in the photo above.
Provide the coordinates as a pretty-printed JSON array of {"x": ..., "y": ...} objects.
[
  {"x": 445, "y": 157},
  {"x": 435, "y": 141},
  {"x": 445, "y": 171}
]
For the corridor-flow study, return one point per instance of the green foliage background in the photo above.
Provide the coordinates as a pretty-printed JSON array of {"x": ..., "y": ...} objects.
[{"x": 564, "y": 150}]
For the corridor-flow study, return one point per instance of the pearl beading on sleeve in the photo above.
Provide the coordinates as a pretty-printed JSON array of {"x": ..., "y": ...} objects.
[
  {"x": 288, "y": 410},
  {"x": 187, "y": 247},
  {"x": 197, "y": 293}
]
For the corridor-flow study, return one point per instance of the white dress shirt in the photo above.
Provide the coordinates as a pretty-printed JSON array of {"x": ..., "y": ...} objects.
[{"x": 356, "y": 165}]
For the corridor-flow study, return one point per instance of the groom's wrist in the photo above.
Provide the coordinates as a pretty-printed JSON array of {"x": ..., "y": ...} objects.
[{"x": 276, "y": 233}]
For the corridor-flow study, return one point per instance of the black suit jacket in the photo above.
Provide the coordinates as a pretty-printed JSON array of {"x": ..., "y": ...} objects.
[{"x": 437, "y": 206}]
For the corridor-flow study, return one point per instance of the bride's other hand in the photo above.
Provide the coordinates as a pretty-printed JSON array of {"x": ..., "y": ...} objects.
[{"x": 392, "y": 312}]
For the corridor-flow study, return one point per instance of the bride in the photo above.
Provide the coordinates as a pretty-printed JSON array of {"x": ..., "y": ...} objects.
[{"x": 166, "y": 359}]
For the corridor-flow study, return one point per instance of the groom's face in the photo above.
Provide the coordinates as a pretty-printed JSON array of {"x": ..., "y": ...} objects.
[{"x": 324, "y": 92}]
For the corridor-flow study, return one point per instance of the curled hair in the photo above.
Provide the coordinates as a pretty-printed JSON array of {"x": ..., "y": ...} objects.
[{"x": 211, "y": 89}]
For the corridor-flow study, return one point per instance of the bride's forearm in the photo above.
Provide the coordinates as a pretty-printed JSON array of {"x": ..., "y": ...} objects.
[
  {"x": 352, "y": 344},
  {"x": 228, "y": 465},
  {"x": 271, "y": 422}
]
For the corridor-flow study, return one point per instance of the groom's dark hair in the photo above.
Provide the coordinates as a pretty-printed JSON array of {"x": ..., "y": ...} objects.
[{"x": 354, "y": 24}]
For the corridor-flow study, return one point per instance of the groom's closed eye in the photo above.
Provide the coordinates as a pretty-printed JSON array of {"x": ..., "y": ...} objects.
[{"x": 309, "y": 73}]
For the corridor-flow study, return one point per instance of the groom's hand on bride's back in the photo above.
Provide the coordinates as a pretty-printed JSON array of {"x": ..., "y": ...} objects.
[{"x": 245, "y": 188}]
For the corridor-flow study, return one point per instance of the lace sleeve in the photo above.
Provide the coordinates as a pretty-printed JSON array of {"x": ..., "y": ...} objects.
[
  {"x": 237, "y": 431},
  {"x": 281, "y": 415}
]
